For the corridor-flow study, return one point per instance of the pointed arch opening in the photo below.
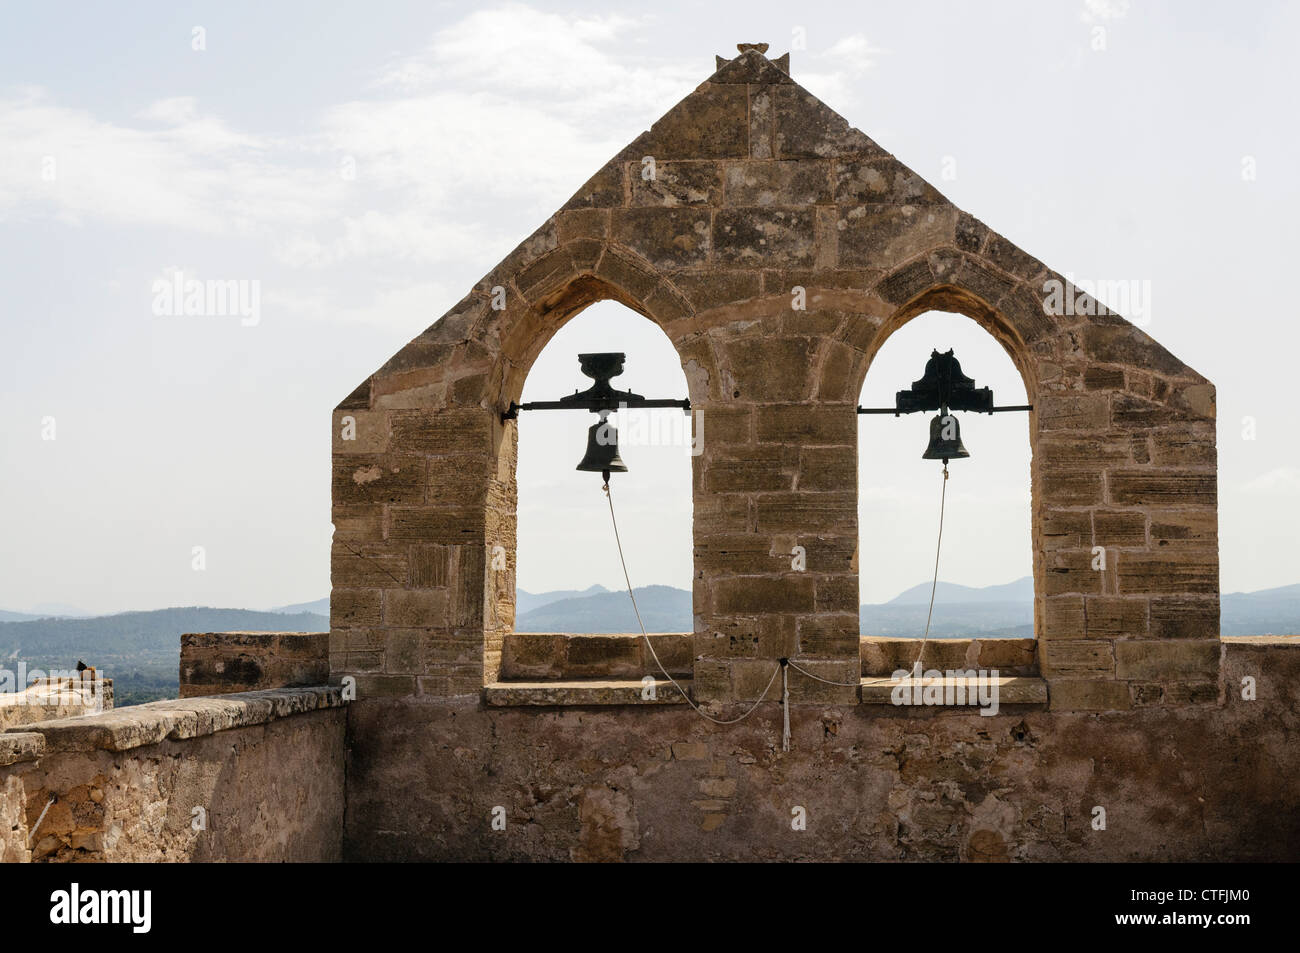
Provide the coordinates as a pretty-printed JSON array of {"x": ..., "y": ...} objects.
[
  {"x": 986, "y": 553},
  {"x": 573, "y": 623},
  {"x": 566, "y": 547}
]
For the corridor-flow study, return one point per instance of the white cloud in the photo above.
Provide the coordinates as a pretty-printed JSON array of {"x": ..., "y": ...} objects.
[
  {"x": 185, "y": 171},
  {"x": 1278, "y": 480},
  {"x": 408, "y": 307},
  {"x": 836, "y": 71},
  {"x": 459, "y": 147},
  {"x": 1100, "y": 10}
]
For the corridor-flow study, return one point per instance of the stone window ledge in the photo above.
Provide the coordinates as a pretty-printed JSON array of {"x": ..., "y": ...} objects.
[
  {"x": 1011, "y": 689},
  {"x": 177, "y": 720},
  {"x": 883, "y": 655},
  {"x": 583, "y": 692}
]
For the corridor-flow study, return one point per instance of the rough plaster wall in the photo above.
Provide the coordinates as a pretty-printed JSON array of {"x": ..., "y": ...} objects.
[
  {"x": 1215, "y": 781},
  {"x": 272, "y": 792}
]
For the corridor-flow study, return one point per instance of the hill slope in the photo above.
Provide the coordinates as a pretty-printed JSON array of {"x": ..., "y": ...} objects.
[
  {"x": 140, "y": 651},
  {"x": 663, "y": 609}
]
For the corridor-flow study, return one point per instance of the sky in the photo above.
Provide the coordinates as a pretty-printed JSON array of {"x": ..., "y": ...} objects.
[{"x": 356, "y": 168}]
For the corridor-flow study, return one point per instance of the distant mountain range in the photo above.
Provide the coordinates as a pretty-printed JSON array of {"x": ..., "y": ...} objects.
[
  {"x": 528, "y": 601},
  {"x": 663, "y": 609},
  {"x": 1001, "y": 611},
  {"x": 319, "y": 607},
  {"x": 141, "y": 650},
  {"x": 45, "y": 612}
]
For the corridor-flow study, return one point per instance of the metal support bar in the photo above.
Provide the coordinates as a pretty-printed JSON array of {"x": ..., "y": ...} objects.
[
  {"x": 595, "y": 405},
  {"x": 896, "y": 412}
]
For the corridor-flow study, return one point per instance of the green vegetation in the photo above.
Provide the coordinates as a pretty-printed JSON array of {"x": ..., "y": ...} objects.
[{"x": 140, "y": 651}]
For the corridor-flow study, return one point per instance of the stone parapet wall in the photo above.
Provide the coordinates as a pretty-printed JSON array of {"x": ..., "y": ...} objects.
[
  {"x": 222, "y": 663},
  {"x": 1217, "y": 781},
  {"x": 249, "y": 777},
  {"x": 56, "y": 697}
]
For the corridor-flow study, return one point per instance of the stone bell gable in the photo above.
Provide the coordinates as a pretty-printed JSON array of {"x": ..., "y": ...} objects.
[{"x": 778, "y": 248}]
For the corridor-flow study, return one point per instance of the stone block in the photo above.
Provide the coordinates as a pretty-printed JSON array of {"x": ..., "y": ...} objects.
[
  {"x": 711, "y": 123},
  {"x": 1076, "y": 694},
  {"x": 772, "y": 368},
  {"x": 1119, "y": 528},
  {"x": 790, "y": 183},
  {"x": 1073, "y": 412},
  {"x": 387, "y": 478},
  {"x": 1167, "y": 660},
  {"x": 676, "y": 184},
  {"x": 882, "y": 236},
  {"x": 668, "y": 238},
  {"x": 1135, "y": 487},
  {"x": 807, "y": 424},
  {"x": 1168, "y": 572},
  {"x": 1077, "y": 659},
  {"x": 793, "y": 593},
  {"x": 808, "y": 129},
  {"x": 416, "y": 607},
  {"x": 1183, "y": 618},
  {"x": 351, "y": 608},
  {"x": 828, "y": 468},
  {"x": 1111, "y": 618},
  {"x": 806, "y": 512},
  {"x": 884, "y": 180},
  {"x": 769, "y": 235}
]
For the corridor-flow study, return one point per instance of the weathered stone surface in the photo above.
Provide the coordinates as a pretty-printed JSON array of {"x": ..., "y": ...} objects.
[
  {"x": 711, "y": 123},
  {"x": 806, "y": 424},
  {"x": 530, "y": 656},
  {"x": 808, "y": 128},
  {"x": 552, "y": 693},
  {"x": 269, "y": 790},
  {"x": 882, "y": 181},
  {"x": 1182, "y": 618},
  {"x": 1167, "y": 659},
  {"x": 873, "y": 236},
  {"x": 139, "y": 725},
  {"x": 224, "y": 663},
  {"x": 1077, "y": 659},
  {"x": 1011, "y": 690},
  {"x": 21, "y": 746},
  {"x": 777, "y": 236},
  {"x": 793, "y": 183},
  {"x": 668, "y": 238},
  {"x": 871, "y": 777},
  {"x": 387, "y": 478},
  {"x": 1162, "y": 487},
  {"x": 1077, "y": 694},
  {"x": 676, "y": 183},
  {"x": 1076, "y": 413}
]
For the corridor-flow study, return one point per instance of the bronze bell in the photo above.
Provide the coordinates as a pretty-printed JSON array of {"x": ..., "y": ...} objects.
[
  {"x": 945, "y": 439},
  {"x": 602, "y": 449}
]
